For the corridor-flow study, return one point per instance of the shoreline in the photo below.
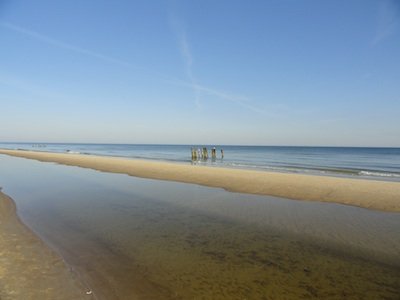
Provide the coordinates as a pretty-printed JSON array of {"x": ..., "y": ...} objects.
[
  {"x": 365, "y": 193},
  {"x": 29, "y": 269},
  {"x": 360, "y": 172}
]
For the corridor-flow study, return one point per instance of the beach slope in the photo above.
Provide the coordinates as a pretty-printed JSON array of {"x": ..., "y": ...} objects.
[
  {"x": 28, "y": 268},
  {"x": 372, "y": 194}
]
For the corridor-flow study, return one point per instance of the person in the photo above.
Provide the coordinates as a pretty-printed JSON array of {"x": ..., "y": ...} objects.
[
  {"x": 213, "y": 153},
  {"x": 222, "y": 153}
]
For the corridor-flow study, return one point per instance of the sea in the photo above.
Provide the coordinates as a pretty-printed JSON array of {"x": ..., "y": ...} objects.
[{"x": 356, "y": 162}]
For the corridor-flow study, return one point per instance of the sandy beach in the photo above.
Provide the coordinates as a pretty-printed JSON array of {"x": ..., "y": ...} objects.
[
  {"x": 371, "y": 194},
  {"x": 28, "y": 268}
]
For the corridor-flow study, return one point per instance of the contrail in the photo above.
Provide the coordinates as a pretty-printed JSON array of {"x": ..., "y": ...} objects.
[
  {"x": 239, "y": 100},
  {"x": 187, "y": 56},
  {"x": 63, "y": 45},
  {"x": 185, "y": 51},
  {"x": 388, "y": 21}
]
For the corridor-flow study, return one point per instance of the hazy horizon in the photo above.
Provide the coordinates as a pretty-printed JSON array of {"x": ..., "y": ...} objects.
[
  {"x": 293, "y": 73},
  {"x": 198, "y": 144}
]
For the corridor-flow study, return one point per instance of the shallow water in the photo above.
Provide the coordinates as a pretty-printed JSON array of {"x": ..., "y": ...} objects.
[{"x": 163, "y": 240}]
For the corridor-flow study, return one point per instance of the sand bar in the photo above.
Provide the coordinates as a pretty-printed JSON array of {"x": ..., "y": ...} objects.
[
  {"x": 28, "y": 268},
  {"x": 372, "y": 194}
]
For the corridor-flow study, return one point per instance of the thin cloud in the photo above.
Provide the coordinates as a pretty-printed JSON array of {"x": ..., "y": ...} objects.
[
  {"x": 187, "y": 57},
  {"x": 189, "y": 61},
  {"x": 185, "y": 51},
  {"x": 242, "y": 101},
  {"x": 15, "y": 83},
  {"x": 64, "y": 45},
  {"x": 60, "y": 44},
  {"x": 388, "y": 21}
]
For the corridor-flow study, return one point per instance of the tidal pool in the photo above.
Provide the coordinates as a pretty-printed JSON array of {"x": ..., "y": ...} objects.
[{"x": 132, "y": 238}]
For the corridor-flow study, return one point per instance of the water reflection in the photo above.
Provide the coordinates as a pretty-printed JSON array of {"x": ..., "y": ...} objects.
[{"x": 129, "y": 236}]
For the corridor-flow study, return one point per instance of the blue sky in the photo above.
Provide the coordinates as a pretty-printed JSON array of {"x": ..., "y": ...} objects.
[{"x": 204, "y": 72}]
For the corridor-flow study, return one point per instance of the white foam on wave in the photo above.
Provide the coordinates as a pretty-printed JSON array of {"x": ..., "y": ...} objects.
[
  {"x": 268, "y": 168},
  {"x": 72, "y": 152},
  {"x": 378, "y": 174}
]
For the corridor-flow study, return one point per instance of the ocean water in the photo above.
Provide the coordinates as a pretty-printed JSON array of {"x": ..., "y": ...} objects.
[{"x": 374, "y": 163}]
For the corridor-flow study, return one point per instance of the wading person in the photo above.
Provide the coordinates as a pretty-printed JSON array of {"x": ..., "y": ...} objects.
[{"x": 214, "y": 153}]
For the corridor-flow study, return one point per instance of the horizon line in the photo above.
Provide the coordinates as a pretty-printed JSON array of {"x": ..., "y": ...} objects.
[{"x": 199, "y": 144}]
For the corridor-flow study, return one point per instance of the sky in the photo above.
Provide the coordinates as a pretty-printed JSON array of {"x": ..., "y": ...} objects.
[{"x": 283, "y": 72}]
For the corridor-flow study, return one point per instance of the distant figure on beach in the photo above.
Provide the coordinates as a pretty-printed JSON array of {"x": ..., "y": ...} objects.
[
  {"x": 198, "y": 153},
  {"x": 222, "y": 153}
]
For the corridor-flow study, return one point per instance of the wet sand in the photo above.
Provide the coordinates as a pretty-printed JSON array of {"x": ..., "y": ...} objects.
[
  {"x": 28, "y": 268},
  {"x": 379, "y": 195}
]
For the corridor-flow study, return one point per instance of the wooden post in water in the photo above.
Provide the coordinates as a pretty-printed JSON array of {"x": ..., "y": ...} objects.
[
  {"x": 193, "y": 153},
  {"x": 205, "y": 153}
]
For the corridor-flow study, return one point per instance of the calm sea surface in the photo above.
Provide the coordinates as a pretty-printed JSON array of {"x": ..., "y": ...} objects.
[
  {"x": 375, "y": 163},
  {"x": 132, "y": 238}
]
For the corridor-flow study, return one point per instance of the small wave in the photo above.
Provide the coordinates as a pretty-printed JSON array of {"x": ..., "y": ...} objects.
[
  {"x": 338, "y": 172},
  {"x": 72, "y": 152},
  {"x": 378, "y": 174},
  {"x": 268, "y": 168}
]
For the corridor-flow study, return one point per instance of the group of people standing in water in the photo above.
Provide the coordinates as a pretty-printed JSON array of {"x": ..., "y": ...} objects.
[{"x": 198, "y": 153}]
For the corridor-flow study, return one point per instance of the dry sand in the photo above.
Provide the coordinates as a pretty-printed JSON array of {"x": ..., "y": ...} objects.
[
  {"x": 28, "y": 268},
  {"x": 372, "y": 194}
]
